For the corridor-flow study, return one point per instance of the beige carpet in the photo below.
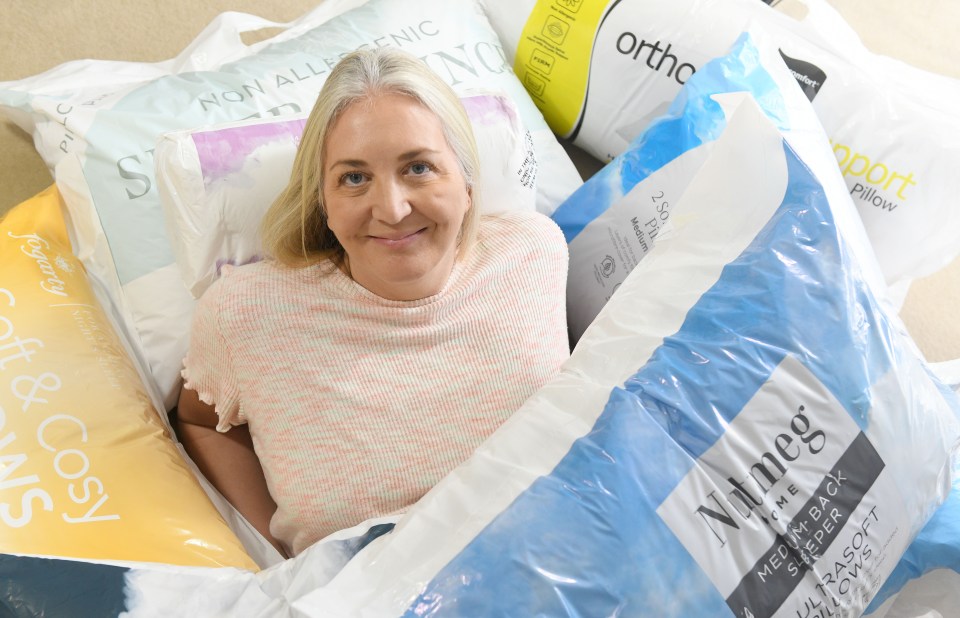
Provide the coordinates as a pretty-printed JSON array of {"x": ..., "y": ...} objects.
[{"x": 36, "y": 35}]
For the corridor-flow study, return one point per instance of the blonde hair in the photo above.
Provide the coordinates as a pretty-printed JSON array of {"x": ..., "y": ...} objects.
[{"x": 294, "y": 229}]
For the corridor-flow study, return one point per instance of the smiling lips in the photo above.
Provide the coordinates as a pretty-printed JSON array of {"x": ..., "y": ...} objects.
[{"x": 398, "y": 239}]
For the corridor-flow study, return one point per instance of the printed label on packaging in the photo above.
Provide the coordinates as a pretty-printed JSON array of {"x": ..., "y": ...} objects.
[
  {"x": 553, "y": 58},
  {"x": 809, "y": 76},
  {"x": 567, "y": 49},
  {"x": 792, "y": 512},
  {"x": 611, "y": 246}
]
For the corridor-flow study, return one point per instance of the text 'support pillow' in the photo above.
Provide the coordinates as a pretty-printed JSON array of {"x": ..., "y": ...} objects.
[
  {"x": 96, "y": 125},
  {"x": 602, "y": 71},
  {"x": 87, "y": 467},
  {"x": 216, "y": 183}
]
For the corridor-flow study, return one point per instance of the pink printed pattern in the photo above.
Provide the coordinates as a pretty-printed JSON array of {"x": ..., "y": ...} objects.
[{"x": 225, "y": 151}]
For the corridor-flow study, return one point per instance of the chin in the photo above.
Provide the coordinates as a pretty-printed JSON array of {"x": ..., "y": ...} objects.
[{"x": 420, "y": 285}]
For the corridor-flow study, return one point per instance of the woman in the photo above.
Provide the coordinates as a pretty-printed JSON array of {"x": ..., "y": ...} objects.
[{"x": 390, "y": 332}]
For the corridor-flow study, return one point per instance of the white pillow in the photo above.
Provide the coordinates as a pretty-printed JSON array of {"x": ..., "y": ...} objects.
[
  {"x": 96, "y": 125},
  {"x": 216, "y": 183},
  {"x": 602, "y": 72}
]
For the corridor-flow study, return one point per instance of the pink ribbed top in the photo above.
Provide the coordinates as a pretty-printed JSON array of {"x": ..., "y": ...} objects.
[{"x": 357, "y": 405}]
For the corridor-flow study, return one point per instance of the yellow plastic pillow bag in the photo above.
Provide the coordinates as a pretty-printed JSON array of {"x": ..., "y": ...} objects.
[{"x": 87, "y": 468}]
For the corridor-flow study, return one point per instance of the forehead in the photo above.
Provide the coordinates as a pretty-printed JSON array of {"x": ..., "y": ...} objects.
[{"x": 383, "y": 118}]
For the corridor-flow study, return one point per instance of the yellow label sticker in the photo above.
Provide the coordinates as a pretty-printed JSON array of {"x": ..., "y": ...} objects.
[{"x": 553, "y": 58}]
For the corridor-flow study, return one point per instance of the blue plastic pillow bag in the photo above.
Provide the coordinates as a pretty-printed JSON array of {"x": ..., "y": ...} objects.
[{"x": 743, "y": 430}]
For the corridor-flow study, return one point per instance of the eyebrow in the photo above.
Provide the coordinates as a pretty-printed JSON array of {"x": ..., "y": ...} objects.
[
  {"x": 413, "y": 154},
  {"x": 406, "y": 156},
  {"x": 348, "y": 163}
]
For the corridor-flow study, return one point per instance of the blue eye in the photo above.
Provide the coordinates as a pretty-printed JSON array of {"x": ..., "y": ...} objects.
[
  {"x": 419, "y": 168},
  {"x": 352, "y": 179}
]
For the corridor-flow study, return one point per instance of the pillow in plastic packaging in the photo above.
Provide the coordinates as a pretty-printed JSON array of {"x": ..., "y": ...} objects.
[
  {"x": 601, "y": 72},
  {"x": 216, "y": 183},
  {"x": 88, "y": 467},
  {"x": 612, "y": 222},
  {"x": 96, "y": 124}
]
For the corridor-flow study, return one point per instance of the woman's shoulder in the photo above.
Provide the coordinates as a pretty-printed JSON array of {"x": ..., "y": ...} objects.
[
  {"x": 248, "y": 282},
  {"x": 522, "y": 229},
  {"x": 235, "y": 277},
  {"x": 521, "y": 242}
]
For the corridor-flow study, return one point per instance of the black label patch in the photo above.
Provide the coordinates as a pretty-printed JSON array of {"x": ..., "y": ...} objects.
[{"x": 808, "y": 75}]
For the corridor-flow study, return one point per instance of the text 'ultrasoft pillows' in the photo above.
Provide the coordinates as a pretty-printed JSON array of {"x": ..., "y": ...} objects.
[
  {"x": 97, "y": 123},
  {"x": 744, "y": 430},
  {"x": 601, "y": 72}
]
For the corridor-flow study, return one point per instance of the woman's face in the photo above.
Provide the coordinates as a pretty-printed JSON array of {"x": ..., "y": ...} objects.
[{"x": 394, "y": 195}]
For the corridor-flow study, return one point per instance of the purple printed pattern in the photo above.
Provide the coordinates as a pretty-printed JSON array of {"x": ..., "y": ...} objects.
[
  {"x": 225, "y": 151},
  {"x": 488, "y": 109}
]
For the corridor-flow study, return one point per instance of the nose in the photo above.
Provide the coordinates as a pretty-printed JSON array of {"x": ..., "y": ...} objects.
[{"x": 391, "y": 201}]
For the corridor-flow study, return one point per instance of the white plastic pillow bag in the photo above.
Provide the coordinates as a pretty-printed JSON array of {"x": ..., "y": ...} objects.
[
  {"x": 602, "y": 72},
  {"x": 216, "y": 183},
  {"x": 96, "y": 125}
]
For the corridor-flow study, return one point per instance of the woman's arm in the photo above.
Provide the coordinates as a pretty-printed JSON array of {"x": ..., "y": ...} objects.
[{"x": 228, "y": 461}]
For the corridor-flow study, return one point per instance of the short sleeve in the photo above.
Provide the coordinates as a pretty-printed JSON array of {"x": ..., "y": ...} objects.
[{"x": 208, "y": 366}]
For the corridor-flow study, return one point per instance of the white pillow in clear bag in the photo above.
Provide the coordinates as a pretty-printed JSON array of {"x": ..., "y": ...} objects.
[{"x": 216, "y": 183}]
